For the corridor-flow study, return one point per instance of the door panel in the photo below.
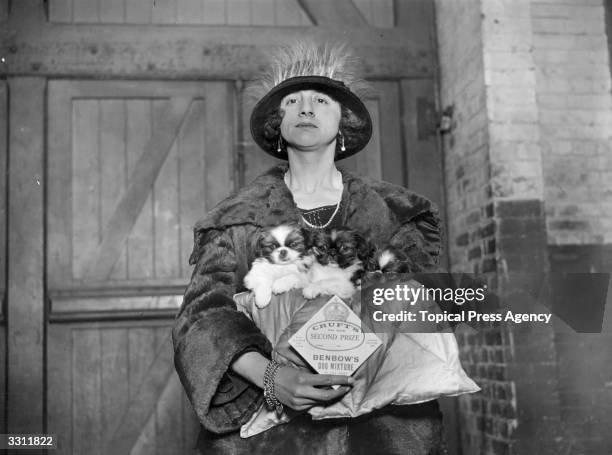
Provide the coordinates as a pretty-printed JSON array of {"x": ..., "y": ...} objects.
[
  {"x": 131, "y": 172},
  {"x": 213, "y": 12},
  {"x": 112, "y": 389},
  {"x": 132, "y": 166}
]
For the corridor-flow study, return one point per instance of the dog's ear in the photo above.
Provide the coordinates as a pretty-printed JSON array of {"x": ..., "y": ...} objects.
[
  {"x": 255, "y": 244},
  {"x": 366, "y": 249},
  {"x": 311, "y": 239}
]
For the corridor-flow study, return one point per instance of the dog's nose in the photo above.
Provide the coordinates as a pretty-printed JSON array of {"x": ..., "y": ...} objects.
[{"x": 283, "y": 253}]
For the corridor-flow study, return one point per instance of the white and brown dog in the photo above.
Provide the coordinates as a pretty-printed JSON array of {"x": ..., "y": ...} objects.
[
  {"x": 281, "y": 263},
  {"x": 340, "y": 257}
]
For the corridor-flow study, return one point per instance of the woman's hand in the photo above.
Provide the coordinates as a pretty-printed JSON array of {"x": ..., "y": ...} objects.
[
  {"x": 301, "y": 390},
  {"x": 298, "y": 389}
]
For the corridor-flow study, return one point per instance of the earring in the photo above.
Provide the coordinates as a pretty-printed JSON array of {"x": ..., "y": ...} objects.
[
  {"x": 342, "y": 147},
  {"x": 279, "y": 145}
]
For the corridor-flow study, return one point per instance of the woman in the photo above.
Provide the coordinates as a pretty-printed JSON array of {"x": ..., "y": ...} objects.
[{"x": 311, "y": 116}]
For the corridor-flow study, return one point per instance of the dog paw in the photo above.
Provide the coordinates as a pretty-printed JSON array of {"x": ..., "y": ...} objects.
[
  {"x": 249, "y": 281},
  {"x": 286, "y": 283},
  {"x": 262, "y": 297},
  {"x": 345, "y": 291},
  {"x": 310, "y": 292}
]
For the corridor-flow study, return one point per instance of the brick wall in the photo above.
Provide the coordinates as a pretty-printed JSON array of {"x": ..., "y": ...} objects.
[
  {"x": 486, "y": 418},
  {"x": 527, "y": 169},
  {"x": 570, "y": 50}
]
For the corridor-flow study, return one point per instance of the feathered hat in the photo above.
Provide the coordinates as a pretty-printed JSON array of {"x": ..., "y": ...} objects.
[{"x": 306, "y": 65}]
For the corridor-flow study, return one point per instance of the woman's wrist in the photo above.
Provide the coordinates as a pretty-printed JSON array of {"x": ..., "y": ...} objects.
[
  {"x": 251, "y": 366},
  {"x": 272, "y": 402}
]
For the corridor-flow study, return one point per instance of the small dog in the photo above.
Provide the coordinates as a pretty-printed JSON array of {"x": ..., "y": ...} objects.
[
  {"x": 340, "y": 257},
  {"x": 281, "y": 263}
]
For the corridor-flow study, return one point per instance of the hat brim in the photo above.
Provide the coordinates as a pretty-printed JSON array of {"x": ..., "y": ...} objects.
[{"x": 336, "y": 89}]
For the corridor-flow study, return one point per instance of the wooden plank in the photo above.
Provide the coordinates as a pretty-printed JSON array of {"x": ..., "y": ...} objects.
[
  {"x": 86, "y": 11},
  {"x": 324, "y": 12},
  {"x": 215, "y": 12},
  {"x": 113, "y": 167},
  {"x": 85, "y": 191},
  {"x": 168, "y": 418},
  {"x": 166, "y": 208},
  {"x": 417, "y": 15},
  {"x": 382, "y": 14},
  {"x": 25, "y": 277},
  {"x": 86, "y": 377},
  {"x": 219, "y": 143},
  {"x": 608, "y": 19},
  {"x": 191, "y": 182},
  {"x": 147, "y": 382},
  {"x": 255, "y": 161},
  {"x": 164, "y": 12},
  {"x": 263, "y": 13},
  {"x": 137, "y": 12},
  {"x": 94, "y": 304},
  {"x": 142, "y": 51},
  {"x": 239, "y": 12},
  {"x": 139, "y": 244},
  {"x": 123, "y": 288},
  {"x": 148, "y": 440},
  {"x": 114, "y": 375},
  {"x": 60, "y": 11},
  {"x": 392, "y": 158},
  {"x": 365, "y": 7},
  {"x": 424, "y": 159},
  {"x": 59, "y": 386},
  {"x": 112, "y": 11},
  {"x": 304, "y": 17},
  {"x": 189, "y": 11},
  {"x": 29, "y": 14},
  {"x": 142, "y": 342},
  {"x": 4, "y": 8},
  {"x": 104, "y": 255},
  {"x": 368, "y": 161},
  {"x": 134, "y": 90},
  {"x": 135, "y": 317},
  {"x": 59, "y": 192},
  {"x": 3, "y": 183},
  {"x": 289, "y": 13}
]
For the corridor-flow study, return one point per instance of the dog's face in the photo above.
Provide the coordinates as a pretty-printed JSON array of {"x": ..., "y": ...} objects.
[
  {"x": 281, "y": 244},
  {"x": 341, "y": 246}
]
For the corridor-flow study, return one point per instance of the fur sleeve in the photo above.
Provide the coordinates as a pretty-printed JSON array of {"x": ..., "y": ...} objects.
[
  {"x": 419, "y": 239},
  {"x": 209, "y": 332}
]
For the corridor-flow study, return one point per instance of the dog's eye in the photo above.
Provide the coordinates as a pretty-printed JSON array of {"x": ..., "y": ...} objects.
[{"x": 346, "y": 249}]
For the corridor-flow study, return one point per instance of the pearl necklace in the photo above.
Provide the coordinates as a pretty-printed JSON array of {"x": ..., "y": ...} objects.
[
  {"x": 306, "y": 222},
  {"x": 314, "y": 226}
]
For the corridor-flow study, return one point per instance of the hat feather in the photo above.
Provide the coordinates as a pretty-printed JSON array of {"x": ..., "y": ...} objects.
[{"x": 309, "y": 58}]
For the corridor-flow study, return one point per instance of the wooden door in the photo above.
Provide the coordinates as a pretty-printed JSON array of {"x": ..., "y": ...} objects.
[{"x": 132, "y": 165}]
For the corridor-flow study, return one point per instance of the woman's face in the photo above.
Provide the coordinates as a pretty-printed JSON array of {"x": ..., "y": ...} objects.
[{"x": 310, "y": 119}]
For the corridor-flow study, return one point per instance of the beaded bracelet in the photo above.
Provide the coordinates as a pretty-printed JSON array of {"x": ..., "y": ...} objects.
[{"x": 272, "y": 402}]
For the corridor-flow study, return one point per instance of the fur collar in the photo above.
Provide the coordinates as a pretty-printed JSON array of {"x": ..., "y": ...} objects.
[{"x": 373, "y": 207}]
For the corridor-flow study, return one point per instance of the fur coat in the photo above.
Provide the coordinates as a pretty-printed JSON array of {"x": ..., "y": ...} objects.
[{"x": 209, "y": 332}]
